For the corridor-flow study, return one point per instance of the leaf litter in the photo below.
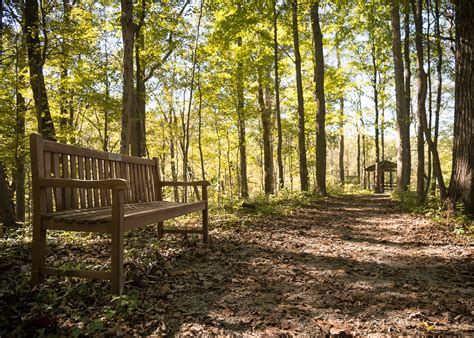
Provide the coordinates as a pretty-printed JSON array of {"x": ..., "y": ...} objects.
[{"x": 349, "y": 265}]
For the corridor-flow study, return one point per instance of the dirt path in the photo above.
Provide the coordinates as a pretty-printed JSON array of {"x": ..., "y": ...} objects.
[{"x": 348, "y": 265}]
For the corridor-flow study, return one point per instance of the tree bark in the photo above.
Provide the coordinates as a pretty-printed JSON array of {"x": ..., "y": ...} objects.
[
  {"x": 462, "y": 179},
  {"x": 7, "y": 212},
  {"x": 265, "y": 114},
  {"x": 244, "y": 190},
  {"x": 128, "y": 102},
  {"x": 281, "y": 177},
  {"x": 376, "y": 125},
  {"x": 422, "y": 91},
  {"x": 439, "y": 72},
  {"x": 64, "y": 63},
  {"x": 320, "y": 101},
  {"x": 403, "y": 116},
  {"x": 341, "y": 124},
  {"x": 421, "y": 98},
  {"x": 299, "y": 89},
  {"x": 201, "y": 156},
  {"x": 407, "y": 75},
  {"x": 138, "y": 128},
  {"x": 36, "y": 59},
  {"x": 20, "y": 146}
]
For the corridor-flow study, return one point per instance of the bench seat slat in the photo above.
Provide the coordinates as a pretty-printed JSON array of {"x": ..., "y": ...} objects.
[{"x": 132, "y": 212}]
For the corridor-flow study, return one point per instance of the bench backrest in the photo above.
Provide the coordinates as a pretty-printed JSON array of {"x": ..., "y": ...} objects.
[{"x": 57, "y": 160}]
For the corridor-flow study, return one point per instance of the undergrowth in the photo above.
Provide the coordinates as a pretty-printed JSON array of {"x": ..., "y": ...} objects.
[{"x": 434, "y": 209}]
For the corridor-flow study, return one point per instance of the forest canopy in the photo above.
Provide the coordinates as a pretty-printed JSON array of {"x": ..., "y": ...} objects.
[{"x": 256, "y": 97}]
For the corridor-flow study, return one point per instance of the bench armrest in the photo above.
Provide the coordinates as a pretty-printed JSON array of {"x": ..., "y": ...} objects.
[
  {"x": 184, "y": 184},
  {"x": 113, "y": 183}
]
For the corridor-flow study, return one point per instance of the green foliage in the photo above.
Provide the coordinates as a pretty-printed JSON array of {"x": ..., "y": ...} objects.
[{"x": 438, "y": 212}]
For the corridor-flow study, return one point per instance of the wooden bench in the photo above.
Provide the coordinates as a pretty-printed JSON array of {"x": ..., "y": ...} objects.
[{"x": 79, "y": 189}]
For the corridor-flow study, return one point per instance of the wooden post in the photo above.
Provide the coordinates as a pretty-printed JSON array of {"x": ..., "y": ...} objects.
[
  {"x": 205, "y": 215},
  {"x": 39, "y": 207},
  {"x": 391, "y": 181},
  {"x": 118, "y": 201}
]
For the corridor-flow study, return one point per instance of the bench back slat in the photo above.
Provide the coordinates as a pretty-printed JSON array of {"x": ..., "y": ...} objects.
[
  {"x": 74, "y": 191},
  {"x": 67, "y": 161}
]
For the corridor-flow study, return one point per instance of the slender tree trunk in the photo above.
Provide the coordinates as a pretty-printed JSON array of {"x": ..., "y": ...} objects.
[
  {"x": 229, "y": 166},
  {"x": 137, "y": 129},
  {"x": 36, "y": 59},
  {"x": 105, "y": 141},
  {"x": 439, "y": 72},
  {"x": 364, "y": 160},
  {"x": 128, "y": 99},
  {"x": 201, "y": 156},
  {"x": 430, "y": 95},
  {"x": 422, "y": 89},
  {"x": 220, "y": 182},
  {"x": 341, "y": 124},
  {"x": 403, "y": 116},
  {"x": 320, "y": 101},
  {"x": 421, "y": 98},
  {"x": 20, "y": 146},
  {"x": 187, "y": 123},
  {"x": 174, "y": 165},
  {"x": 462, "y": 179},
  {"x": 244, "y": 190},
  {"x": 63, "y": 93},
  {"x": 407, "y": 75},
  {"x": 299, "y": 89},
  {"x": 382, "y": 123},
  {"x": 358, "y": 156},
  {"x": 265, "y": 113},
  {"x": 7, "y": 212},
  {"x": 281, "y": 177},
  {"x": 377, "y": 126}
]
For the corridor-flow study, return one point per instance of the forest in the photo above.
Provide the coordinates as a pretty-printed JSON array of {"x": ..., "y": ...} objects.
[{"x": 346, "y": 125}]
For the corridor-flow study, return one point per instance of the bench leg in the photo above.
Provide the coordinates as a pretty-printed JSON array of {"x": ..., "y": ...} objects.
[
  {"x": 161, "y": 226},
  {"x": 39, "y": 254},
  {"x": 117, "y": 243},
  {"x": 205, "y": 223}
]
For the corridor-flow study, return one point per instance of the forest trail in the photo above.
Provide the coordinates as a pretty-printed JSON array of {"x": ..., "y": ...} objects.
[{"x": 346, "y": 265}]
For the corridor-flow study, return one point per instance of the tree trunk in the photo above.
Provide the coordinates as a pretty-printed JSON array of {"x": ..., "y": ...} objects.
[
  {"x": 265, "y": 114},
  {"x": 376, "y": 125},
  {"x": 281, "y": 177},
  {"x": 358, "y": 157},
  {"x": 431, "y": 168},
  {"x": 320, "y": 101},
  {"x": 244, "y": 190},
  {"x": 128, "y": 101},
  {"x": 174, "y": 165},
  {"x": 201, "y": 156},
  {"x": 229, "y": 166},
  {"x": 36, "y": 59},
  {"x": 403, "y": 116},
  {"x": 439, "y": 72},
  {"x": 105, "y": 141},
  {"x": 407, "y": 75},
  {"x": 63, "y": 92},
  {"x": 20, "y": 146},
  {"x": 341, "y": 124},
  {"x": 299, "y": 89},
  {"x": 7, "y": 212},
  {"x": 462, "y": 179},
  {"x": 422, "y": 90},
  {"x": 137, "y": 129},
  {"x": 421, "y": 98}
]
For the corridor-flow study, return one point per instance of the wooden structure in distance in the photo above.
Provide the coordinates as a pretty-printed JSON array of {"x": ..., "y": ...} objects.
[{"x": 384, "y": 167}]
